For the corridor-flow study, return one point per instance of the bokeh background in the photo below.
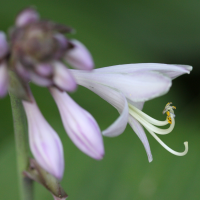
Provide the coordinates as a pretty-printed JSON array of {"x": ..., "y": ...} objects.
[{"x": 119, "y": 32}]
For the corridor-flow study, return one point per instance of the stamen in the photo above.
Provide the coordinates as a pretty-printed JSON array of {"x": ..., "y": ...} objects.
[
  {"x": 148, "y": 122},
  {"x": 169, "y": 111},
  {"x": 147, "y": 117},
  {"x": 148, "y": 125}
]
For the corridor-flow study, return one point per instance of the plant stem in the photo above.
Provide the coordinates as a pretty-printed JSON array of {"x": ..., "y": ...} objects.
[{"x": 22, "y": 149}]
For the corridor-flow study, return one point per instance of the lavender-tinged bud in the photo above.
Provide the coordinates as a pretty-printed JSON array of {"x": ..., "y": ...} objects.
[
  {"x": 44, "y": 141},
  {"x": 39, "y": 80},
  {"x": 4, "y": 80},
  {"x": 44, "y": 69},
  {"x": 79, "y": 56},
  {"x": 63, "y": 78},
  {"x": 26, "y": 16},
  {"x": 80, "y": 125},
  {"x": 3, "y": 45}
]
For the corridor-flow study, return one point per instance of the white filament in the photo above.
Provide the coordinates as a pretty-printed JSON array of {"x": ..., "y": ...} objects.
[{"x": 148, "y": 122}]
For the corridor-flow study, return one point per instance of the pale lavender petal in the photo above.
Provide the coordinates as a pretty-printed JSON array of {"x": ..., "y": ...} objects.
[
  {"x": 63, "y": 77},
  {"x": 139, "y": 86},
  {"x": 44, "y": 142},
  {"x": 119, "y": 125},
  {"x": 138, "y": 129},
  {"x": 44, "y": 69},
  {"x": 39, "y": 80},
  {"x": 117, "y": 100},
  {"x": 171, "y": 71},
  {"x": 26, "y": 16},
  {"x": 3, "y": 45},
  {"x": 80, "y": 125},
  {"x": 79, "y": 57},
  {"x": 4, "y": 80}
]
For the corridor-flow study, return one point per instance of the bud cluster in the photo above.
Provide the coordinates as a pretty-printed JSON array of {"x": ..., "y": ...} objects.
[{"x": 37, "y": 52}]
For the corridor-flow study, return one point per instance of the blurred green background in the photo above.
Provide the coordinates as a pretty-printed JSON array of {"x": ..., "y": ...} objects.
[{"x": 119, "y": 32}]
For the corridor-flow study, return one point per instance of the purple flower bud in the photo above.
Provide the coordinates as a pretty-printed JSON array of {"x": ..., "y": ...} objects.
[
  {"x": 26, "y": 16},
  {"x": 79, "y": 57},
  {"x": 3, "y": 45},
  {"x": 44, "y": 141},
  {"x": 63, "y": 78},
  {"x": 39, "y": 80},
  {"x": 80, "y": 125},
  {"x": 4, "y": 81},
  {"x": 44, "y": 69}
]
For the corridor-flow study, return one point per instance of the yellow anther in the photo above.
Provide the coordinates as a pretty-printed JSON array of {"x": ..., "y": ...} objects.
[
  {"x": 169, "y": 110},
  {"x": 169, "y": 119},
  {"x": 168, "y": 113}
]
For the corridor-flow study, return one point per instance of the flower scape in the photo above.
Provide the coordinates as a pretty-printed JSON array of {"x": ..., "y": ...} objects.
[{"x": 38, "y": 51}]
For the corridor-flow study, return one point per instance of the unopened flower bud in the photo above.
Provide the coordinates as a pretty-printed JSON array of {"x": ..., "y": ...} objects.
[
  {"x": 80, "y": 125},
  {"x": 44, "y": 141},
  {"x": 27, "y": 16},
  {"x": 79, "y": 56},
  {"x": 63, "y": 78},
  {"x": 3, "y": 45},
  {"x": 3, "y": 79}
]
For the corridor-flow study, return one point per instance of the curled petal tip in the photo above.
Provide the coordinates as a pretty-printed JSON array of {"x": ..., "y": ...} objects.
[{"x": 79, "y": 56}]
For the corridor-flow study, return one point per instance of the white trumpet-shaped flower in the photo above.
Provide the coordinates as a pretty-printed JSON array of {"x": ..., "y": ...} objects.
[{"x": 127, "y": 87}]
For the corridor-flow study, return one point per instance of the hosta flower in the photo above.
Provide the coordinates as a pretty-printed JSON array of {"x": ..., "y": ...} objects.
[{"x": 127, "y": 87}]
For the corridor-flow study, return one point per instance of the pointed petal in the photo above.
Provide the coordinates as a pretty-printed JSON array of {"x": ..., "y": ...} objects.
[
  {"x": 63, "y": 77},
  {"x": 44, "y": 141},
  {"x": 79, "y": 56},
  {"x": 80, "y": 125},
  {"x": 26, "y": 16},
  {"x": 4, "y": 81},
  {"x": 138, "y": 129},
  {"x": 139, "y": 86},
  {"x": 3, "y": 45},
  {"x": 171, "y": 71}
]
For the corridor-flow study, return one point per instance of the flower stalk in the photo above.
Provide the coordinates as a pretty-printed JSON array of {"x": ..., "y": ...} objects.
[{"x": 21, "y": 142}]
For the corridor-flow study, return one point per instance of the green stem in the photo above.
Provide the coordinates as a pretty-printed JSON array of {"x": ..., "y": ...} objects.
[{"x": 22, "y": 149}]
